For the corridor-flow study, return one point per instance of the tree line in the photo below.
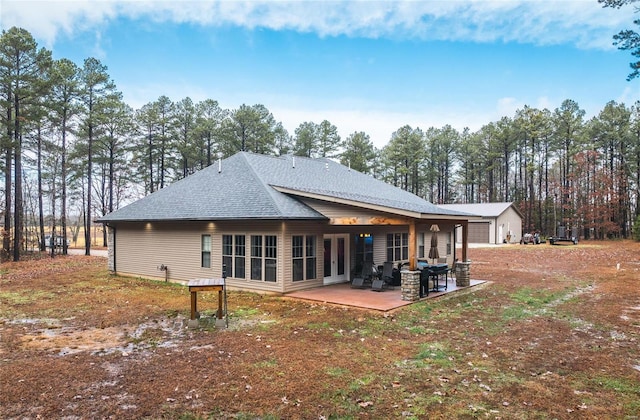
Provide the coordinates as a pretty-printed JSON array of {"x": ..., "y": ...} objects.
[{"x": 73, "y": 150}]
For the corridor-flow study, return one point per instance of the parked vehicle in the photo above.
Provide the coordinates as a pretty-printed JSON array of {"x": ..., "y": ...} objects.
[
  {"x": 530, "y": 238},
  {"x": 565, "y": 235}
]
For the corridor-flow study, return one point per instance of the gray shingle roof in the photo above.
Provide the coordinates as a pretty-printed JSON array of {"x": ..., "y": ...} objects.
[
  {"x": 481, "y": 209},
  {"x": 243, "y": 189}
]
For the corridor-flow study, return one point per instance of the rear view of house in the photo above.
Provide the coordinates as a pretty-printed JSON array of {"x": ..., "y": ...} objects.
[{"x": 275, "y": 224}]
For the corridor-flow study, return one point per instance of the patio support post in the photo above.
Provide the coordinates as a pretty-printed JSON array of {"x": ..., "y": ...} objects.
[
  {"x": 412, "y": 245},
  {"x": 465, "y": 240},
  {"x": 463, "y": 268}
]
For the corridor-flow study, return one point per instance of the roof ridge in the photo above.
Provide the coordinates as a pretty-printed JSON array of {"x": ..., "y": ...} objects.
[
  {"x": 268, "y": 189},
  {"x": 245, "y": 185}
]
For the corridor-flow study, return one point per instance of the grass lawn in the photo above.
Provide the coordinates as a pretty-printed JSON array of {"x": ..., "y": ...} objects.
[{"x": 553, "y": 334}]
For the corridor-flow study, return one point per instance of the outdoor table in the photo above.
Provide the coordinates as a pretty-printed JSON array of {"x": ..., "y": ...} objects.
[
  {"x": 209, "y": 285},
  {"x": 435, "y": 271}
]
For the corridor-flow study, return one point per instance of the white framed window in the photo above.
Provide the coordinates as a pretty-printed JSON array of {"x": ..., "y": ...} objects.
[
  {"x": 233, "y": 255},
  {"x": 239, "y": 255},
  {"x": 264, "y": 254},
  {"x": 397, "y": 246},
  {"x": 311, "y": 258},
  {"x": 205, "y": 251},
  {"x": 304, "y": 258}
]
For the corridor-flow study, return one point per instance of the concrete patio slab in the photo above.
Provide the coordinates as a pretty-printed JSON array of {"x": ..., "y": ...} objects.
[{"x": 344, "y": 294}]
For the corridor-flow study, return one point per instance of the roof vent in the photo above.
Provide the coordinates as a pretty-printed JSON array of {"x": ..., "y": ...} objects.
[
  {"x": 219, "y": 165},
  {"x": 293, "y": 162}
]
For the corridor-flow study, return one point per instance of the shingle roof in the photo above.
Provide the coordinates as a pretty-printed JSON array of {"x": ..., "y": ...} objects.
[
  {"x": 480, "y": 209},
  {"x": 245, "y": 188}
]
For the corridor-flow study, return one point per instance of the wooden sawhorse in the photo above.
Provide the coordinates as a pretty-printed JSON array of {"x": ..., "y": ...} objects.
[{"x": 209, "y": 285}]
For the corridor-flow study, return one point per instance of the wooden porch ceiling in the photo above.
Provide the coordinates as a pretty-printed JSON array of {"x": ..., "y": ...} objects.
[
  {"x": 387, "y": 221},
  {"x": 411, "y": 223}
]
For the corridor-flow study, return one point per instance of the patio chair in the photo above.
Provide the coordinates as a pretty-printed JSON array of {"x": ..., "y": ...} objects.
[
  {"x": 452, "y": 269},
  {"x": 387, "y": 274},
  {"x": 370, "y": 269},
  {"x": 377, "y": 285},
  {"x": 358, "y": 283},
  {"x": 386, "y": 278},
  {"x": 425, "y": 277},
  {"x": 366, "y": 276}
]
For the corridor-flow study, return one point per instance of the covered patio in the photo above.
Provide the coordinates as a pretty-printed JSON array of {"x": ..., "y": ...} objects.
[{"x": 387, "y": 300}]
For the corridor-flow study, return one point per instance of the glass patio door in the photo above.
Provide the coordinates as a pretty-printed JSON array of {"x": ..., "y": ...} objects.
[{"x": 336, "y": 258}]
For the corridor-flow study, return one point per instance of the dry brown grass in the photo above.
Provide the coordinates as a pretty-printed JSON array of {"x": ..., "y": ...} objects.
[{"x": 553, "y": 335}]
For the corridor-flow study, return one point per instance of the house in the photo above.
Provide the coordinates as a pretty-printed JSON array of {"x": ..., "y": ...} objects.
[
  {"x": 499, "y": 222},
  {"x": 276, "y": 224}
]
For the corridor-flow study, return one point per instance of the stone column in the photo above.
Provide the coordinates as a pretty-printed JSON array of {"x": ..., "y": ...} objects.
[
  {"x": 463, "y": 273},
  {"x": 111, "y": 257},
  {"x": 410, "y": 285}
]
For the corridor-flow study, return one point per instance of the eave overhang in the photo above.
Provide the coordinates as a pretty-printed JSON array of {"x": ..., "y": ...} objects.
[{"x": 376, "y": 207}]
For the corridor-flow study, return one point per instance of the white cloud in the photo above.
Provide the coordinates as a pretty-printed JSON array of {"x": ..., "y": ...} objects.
[
  {"x": 508, "y": 106},
  {"x": 629, "y": 95},
  {"x": 583, "y": 23},
  {"x": 47, "y": 19}
]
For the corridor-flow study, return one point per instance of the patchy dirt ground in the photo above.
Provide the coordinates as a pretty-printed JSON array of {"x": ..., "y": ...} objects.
[{"x": 554, "y": 334}]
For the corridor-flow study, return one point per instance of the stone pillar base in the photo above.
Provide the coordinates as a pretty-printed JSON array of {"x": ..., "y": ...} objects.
[
  {"x": 410, "y": 285},
  {"x": 463, "y": 273}
]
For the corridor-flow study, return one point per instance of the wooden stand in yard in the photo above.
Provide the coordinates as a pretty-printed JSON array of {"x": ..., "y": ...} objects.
[{"x": 209, "y": 285}]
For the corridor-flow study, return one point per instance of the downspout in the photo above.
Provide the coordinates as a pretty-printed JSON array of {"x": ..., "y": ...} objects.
[
  {"x": 115, "y": 269},
  {"x": 111, "y": 247},
  {"x": 455, "y": 240}
]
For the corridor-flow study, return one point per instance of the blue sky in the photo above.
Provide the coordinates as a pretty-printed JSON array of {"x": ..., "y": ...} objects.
[{"x": 363, "y": 65}]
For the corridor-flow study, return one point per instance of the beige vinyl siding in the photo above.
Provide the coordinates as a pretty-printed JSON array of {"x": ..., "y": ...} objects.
[
  {"x": 442, "y": 245},
  {"x": 142, "y": 248},
  {"x": 380, "y": 240}
]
